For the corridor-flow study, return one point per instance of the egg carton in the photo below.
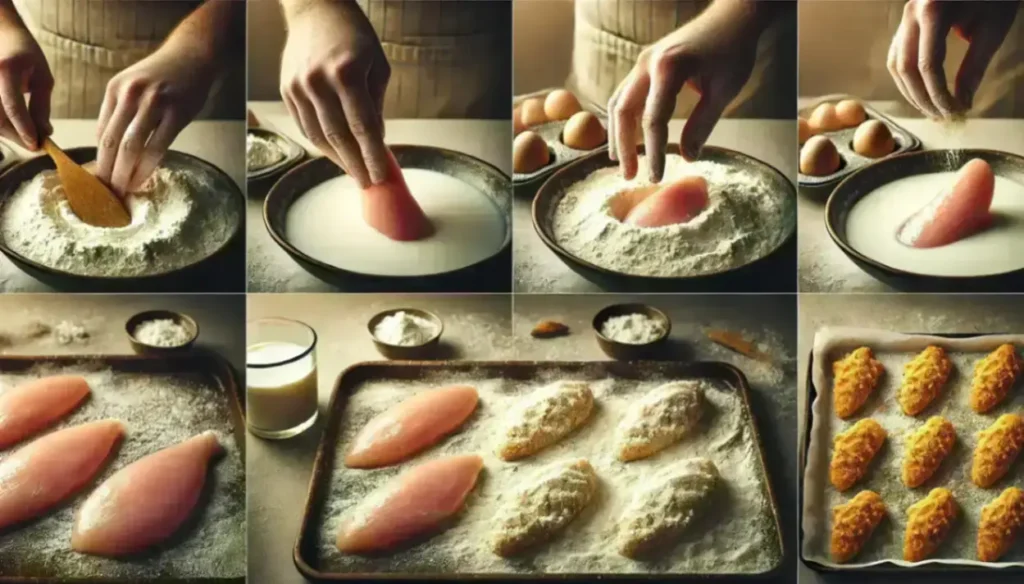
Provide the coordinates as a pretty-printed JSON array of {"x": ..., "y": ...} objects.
[
  {"x": 561, "y": 155},
  {"x": 850, "y": 160}
]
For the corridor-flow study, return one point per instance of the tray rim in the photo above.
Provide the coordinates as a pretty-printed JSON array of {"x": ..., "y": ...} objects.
[{"x": 324, "y": 457}]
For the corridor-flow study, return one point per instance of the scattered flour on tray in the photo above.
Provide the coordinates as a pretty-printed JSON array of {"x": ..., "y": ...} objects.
[
  {"x": 162, "y": 332},
  {"x": 404, "y": 329},
  {"x": 634, "y": 329},
  {"x": 743, "y": 222},
  {"x": 261, "y": 152},
  {"x": 67, "y": 332}
]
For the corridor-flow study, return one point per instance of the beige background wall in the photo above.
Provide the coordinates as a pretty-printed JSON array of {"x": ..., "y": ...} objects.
[{"x": 266, "y": 40}]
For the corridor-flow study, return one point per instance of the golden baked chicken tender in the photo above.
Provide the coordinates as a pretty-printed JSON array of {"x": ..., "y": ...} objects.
[
  {"x": 856, "y": 376},
  {"x": 1001, "y": 521},
  {"x": 994, "y": 376},
  {"x": 853, "y": 451},
  {"x": 853, "y": 523},
  {"x": 926, "y": 449},
  {"x": 928, "y": 523},
  {"x": 998, "y": 446},
  {"x": 923, "y": 379}
]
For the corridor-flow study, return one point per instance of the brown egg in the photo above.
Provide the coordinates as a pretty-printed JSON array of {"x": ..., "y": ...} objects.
[
  {"x": 532, "y": 112},
  {"x": 561, "y": 105},
  {"x": 584, "y": 131},
  {"x": 804, "y": 130},
  {"x": 819, "y": 157},
  {"x": 517, "y": 121},
  {"x": 529, "y": 152},
  {"x": 873, "y": 139},
  {"x": 850, "y": 113},
  {"x": 824, "y": 119}
]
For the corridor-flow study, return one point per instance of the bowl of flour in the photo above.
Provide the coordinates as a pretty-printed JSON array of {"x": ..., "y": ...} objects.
[
  {"x": 631, "y": 331},
  {"x": 406, "y": 333},
  {"x": 268, "y": 153},
  {"x": 161, "y": 332},
  {"x": 183, "y": 219},
  {"x": 748, "y": 222}
]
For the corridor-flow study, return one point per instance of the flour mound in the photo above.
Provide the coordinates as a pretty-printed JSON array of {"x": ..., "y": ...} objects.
[{"x": 261, "y": 153}]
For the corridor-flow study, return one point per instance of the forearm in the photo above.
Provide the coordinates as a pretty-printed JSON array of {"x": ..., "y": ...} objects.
[
  {"x": 9, "y": 14},
  {"x": 760, "y": 14},
  {"x": 294, "y": 8},
  {"x": 213, "y": 29}
]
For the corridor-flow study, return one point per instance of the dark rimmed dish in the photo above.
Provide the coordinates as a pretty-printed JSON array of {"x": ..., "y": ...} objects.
[
  {"x": 492, "y": 274},
  {"x": 183, "y": 320},
  {"x": 870, "y": 178},
  {"x": 561, "y": 155},
  {"x": 775, "y": 272},
  {"x": 227, "y": 261},
  {"x": 406, "y": 352},
  {"x": 630, "y": 351},
  {"x": 293, "y": 154}
]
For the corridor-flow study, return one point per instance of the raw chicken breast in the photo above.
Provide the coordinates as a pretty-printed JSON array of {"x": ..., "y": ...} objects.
[
  {"x": 411, "y": 426},
  {"x": 390, "y": 208},
  {"x": 677, "y": 202},
  {"x": 35, "y": 405},
  {"x": 145, "y": 502},
  {"x": 412, "y": 504},
  {"x": 955, "y": 214},
  {"x": 52, "y": 468}
]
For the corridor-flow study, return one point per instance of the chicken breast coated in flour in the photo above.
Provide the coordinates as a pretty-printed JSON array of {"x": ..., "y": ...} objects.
[
  {"x": 543, "y": 506},
  {"x": 544, "y": 417},
  {"x": 659, "y": 419},
  {"x": 663, "y": 509}
]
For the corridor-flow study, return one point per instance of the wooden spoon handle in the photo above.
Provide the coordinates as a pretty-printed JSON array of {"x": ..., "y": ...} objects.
[{"x": 55, "y": 152}]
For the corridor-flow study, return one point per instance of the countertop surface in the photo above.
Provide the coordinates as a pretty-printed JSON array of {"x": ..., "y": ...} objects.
[
  {"x": 917, "y": 313},
  {"x": 539, "y": 270},
  {"x": 221, "y": 143},
  {"x": 823, "y": 267},
  {"x": 479, "y": 327},
  {"x": 271, "y": 269}
]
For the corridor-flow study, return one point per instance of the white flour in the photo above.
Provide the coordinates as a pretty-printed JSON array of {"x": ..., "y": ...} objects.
[
  {"x": 635, "y": 329},
  {"x": 162, "y": 332},
  {"x": 261, "y": 153},
  {"x": 743, "y": 222},
  {"x": 67, "y": 332},
  {"x": 404, "y": 329},
  {"x": 177, "y": 219}
]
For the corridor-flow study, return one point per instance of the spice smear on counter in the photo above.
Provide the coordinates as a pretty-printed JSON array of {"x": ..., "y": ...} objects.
[
  {"x": 548, "y": 329},
  {"x": 404, "y": 330}
]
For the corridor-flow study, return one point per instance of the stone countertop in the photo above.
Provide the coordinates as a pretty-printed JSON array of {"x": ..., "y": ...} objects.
[
  {"x": 221, "y": 143},
  {"x": 925, "y": 313},
  {"x": 271, "y": 269},
  {"x": 538, "y": 270}
]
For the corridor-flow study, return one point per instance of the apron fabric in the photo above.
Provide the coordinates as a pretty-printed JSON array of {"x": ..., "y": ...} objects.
[
  {"x": 449, "y": 58},
  {"x": 88, "y": 42},
  {"x": 610, "y": 35}
]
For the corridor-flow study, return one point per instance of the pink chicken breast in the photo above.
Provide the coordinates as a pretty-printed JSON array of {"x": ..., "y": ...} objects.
[
  {"x": 390, "y": 208},
  {"x": 960, "y": 212},
  {"x": 36, "y": 405}
]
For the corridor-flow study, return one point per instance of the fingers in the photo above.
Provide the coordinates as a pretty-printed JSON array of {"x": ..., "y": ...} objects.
[
  {"x": 133, "y": 143},
  {"x": 667, "y": 80},
  {"x": 613, "y": 141},
  {"x": 932, "y": 56},
  {"x": 158, "y": 144},
  {"x": 304, "y": 113},
  {"x": 628, "y": 108},
  {"x": 336, "y": 132},
  {"x": 702, "y": 121},
  {"x": 40, "y": 89},
  {"x": 979, "y": 54},
  {"x": 13, "y": 102},
  {"x": 366, "y": 127},
  {"x": 113, "y": 132},
  {"x": 907, "y": 67}
]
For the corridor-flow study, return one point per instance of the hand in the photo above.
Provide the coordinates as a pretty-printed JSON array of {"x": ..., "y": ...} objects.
[
  {"x": 714, "y": 53},
  {"x": 918, "y": 51},
  {"x": 333, "y": 78},
  {"x": 23, "y": 68}
]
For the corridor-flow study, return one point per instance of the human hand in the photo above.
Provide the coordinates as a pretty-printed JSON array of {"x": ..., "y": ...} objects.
[
  {"x": 918, "y": 51},
  {"x": 144, "y": 109},
  {"x": 333, "y": 77},
  {"x": 714, "y": 53},
  {"x": 23, "y": 68}
]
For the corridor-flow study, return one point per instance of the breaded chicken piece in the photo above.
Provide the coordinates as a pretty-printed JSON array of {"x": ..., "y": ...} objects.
[
  {"x": 923, "y": 379},
  {"x": 665, "y": 506},
  {"x": 1001, "y": 521},
  {"x": 853, "y": 523},
  {"x": 659, "y": 419},
  {"x": 994, "y": 376},
  {"x": 928, "y": 523},
  {"x": 853, "y": 451},
  {"x": 545, "y": 417},
  {"x": 543, "y": 506},
  {"x": 926, "y": 449},
  {"x": 856, "y": 376},
  {"x": 998, "y": 446}
]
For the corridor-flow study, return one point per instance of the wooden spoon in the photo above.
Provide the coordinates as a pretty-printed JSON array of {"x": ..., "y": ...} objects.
[{"x": 88, "y": 197}]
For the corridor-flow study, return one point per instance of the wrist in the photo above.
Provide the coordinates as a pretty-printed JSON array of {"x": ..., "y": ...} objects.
[
  {"x": 295, "y": 9},
  {"x": 752, "y": 15}
]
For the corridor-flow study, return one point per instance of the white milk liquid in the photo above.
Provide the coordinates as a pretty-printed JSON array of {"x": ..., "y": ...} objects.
[
  {"x": 279, "y": 398},
  {"x": 327, "y": 224},
  {"x": 872, "y": 223}
]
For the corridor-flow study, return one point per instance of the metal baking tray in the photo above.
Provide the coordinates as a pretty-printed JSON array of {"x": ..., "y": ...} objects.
[
  {"x": 306, "y": 553},
  {"x": 843, "y": 139},
  {"x": 293, "y": 154},
  {"x": 202, "y": 371},
  {"x": 889, "y": 569}
]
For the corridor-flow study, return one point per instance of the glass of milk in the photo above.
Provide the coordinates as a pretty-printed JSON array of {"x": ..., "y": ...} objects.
[{"x": 281, "y": 380}]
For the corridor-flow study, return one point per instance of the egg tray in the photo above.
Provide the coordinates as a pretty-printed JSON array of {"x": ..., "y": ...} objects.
[
  {"x": 561, "y": 155},
  {"x": 850, "y": 160},
  {"x": 293, "y": 154}
]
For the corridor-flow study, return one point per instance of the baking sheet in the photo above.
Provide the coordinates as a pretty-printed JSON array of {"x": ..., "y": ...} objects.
[
  {"x": 739, "y": 535},
  {"x": 162, "y": 401},
  {"x": 894, "y": 350}
]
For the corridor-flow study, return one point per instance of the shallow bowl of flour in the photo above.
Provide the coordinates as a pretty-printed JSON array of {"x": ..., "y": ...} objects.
[
  {"x": 865, "y": 210},
  {"x": 186, "y": 220},
  {"x": 741, "y": 241},
  {"x": 268, "y": 154}
]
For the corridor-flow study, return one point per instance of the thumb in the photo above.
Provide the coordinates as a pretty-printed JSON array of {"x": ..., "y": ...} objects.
[
  {"x": 701, "y": 122},
  {"x": 972, "y": 69}
]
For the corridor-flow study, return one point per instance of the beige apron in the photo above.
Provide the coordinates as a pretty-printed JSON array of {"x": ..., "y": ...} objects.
[
  {"x": 610, "y": 34},
  {"x": 449, "y": 58},
  {"x": 844, "y": 46},
  {"x": 88, "y": 42}
]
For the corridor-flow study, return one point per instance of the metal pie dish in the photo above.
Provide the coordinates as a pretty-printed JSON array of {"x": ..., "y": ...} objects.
[
  {"x": 293, "y": 154},
  {"x": 492, "y": 274},
  {"x": 561, "y": 154},
  {"x": 863, "y": 182},
  {"x": 759, "y": 274},
  {"x": 192, "y": 277}
]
